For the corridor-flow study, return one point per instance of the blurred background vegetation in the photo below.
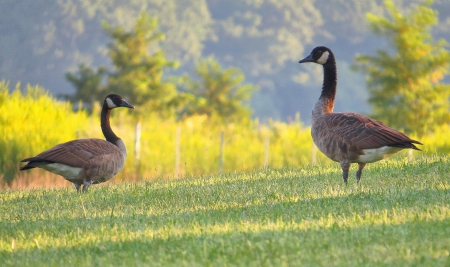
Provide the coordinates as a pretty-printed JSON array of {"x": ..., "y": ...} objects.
[
  {"x": 43, "y": 40},
  {"x": 197, "y": 69}
]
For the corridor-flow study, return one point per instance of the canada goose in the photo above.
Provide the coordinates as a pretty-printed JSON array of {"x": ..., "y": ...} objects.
[
  {"x": 86, "y": 161},
  {"x": 349, "y": 137}
]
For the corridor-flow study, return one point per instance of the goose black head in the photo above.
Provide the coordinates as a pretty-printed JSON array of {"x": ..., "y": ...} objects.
[
  {"x": 320, "y": 55},
  {"x": 115, "y": 101}
]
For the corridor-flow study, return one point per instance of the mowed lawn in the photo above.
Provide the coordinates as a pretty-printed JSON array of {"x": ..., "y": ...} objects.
[{"x": 398, "y": 216}]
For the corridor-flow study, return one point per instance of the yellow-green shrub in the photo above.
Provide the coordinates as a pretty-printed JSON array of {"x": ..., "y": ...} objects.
[
  {"x": 244, "y": 146},
  {"x": 31, "y": 122},
  {"x": 438, "y": 141}
]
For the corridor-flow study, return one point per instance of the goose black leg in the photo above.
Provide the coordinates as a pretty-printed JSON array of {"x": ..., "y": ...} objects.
[
  {"x": 345, "y": 165},
  {"x": 77, "y": 186},
  {"x": 86, "y": 185},
  {"x": 359, "y": 172}
]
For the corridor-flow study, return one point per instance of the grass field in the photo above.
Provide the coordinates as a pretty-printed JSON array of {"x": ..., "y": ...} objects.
[{"x": 398, "y": 216}]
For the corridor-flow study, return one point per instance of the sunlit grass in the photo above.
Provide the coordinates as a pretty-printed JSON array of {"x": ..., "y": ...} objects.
[{"x": 398, "y": 216}]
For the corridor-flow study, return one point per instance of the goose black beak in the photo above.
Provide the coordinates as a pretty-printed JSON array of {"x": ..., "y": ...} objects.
[
  {"x": 126, "y": 104},
  {"x": 307, "y": 59}
]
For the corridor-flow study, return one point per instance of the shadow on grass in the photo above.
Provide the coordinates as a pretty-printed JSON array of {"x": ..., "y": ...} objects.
[
  {"x": 423, "y": 243},
  {"x": 270, "y": 209},
  {"x": 251, "y": 203}
]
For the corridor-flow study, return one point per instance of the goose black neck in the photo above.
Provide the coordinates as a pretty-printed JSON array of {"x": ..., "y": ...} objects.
[
  {"x": 106, "y": 127},
  {"x": 329, "y": 83}
]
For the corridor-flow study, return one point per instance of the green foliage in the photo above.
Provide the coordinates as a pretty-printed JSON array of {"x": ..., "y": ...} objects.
[
  {"x": 32, "y": 122},
  {"x": 398, "y": 216},
  {"x": 261, "y": 37},
  {"x": 137, "y": 72},
  {"x": 88, "y": 85},
  {"x": 405, "y": 87},
  {"x": 138, "y": 76},
  {"x": 219, "y": 93}
]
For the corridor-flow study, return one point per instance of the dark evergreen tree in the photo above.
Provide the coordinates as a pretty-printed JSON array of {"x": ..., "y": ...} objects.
[
  {"x": 218, "y": 93},
  {"x": 88, "y": 84}
]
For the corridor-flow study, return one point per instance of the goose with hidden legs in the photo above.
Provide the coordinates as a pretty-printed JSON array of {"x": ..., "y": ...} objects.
[
  {"x": 349, "y": 137},
  {"x": 86, "y": 161}
]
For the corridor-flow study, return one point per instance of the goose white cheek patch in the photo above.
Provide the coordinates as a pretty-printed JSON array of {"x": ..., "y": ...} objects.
[
  {"x": 323, "y": 58},
  {"x": 110, "y": 103}
]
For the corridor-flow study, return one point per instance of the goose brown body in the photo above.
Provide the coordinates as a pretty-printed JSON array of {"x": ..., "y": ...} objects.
[
  {"x": 349, "y": 137},
  {"x": 86, "y": 161}
]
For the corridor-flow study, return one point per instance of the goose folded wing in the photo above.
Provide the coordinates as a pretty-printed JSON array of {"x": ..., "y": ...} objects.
[
  {"x": 76, "y": 153},
  {"x": 366, "y": 133}
]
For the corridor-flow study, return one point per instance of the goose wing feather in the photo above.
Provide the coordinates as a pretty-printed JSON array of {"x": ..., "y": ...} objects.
[
  {"x": 365, "y": 133},
  {"x": 77, "y": 153}
]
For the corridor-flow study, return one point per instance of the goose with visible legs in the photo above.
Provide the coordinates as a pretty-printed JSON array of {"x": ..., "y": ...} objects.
[
  {"x": 349, "y": 137},
  {"x": 86, "y": 161}
]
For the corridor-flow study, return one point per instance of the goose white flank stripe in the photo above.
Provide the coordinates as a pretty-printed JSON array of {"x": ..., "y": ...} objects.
[{"x": 375, "y": 154}]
